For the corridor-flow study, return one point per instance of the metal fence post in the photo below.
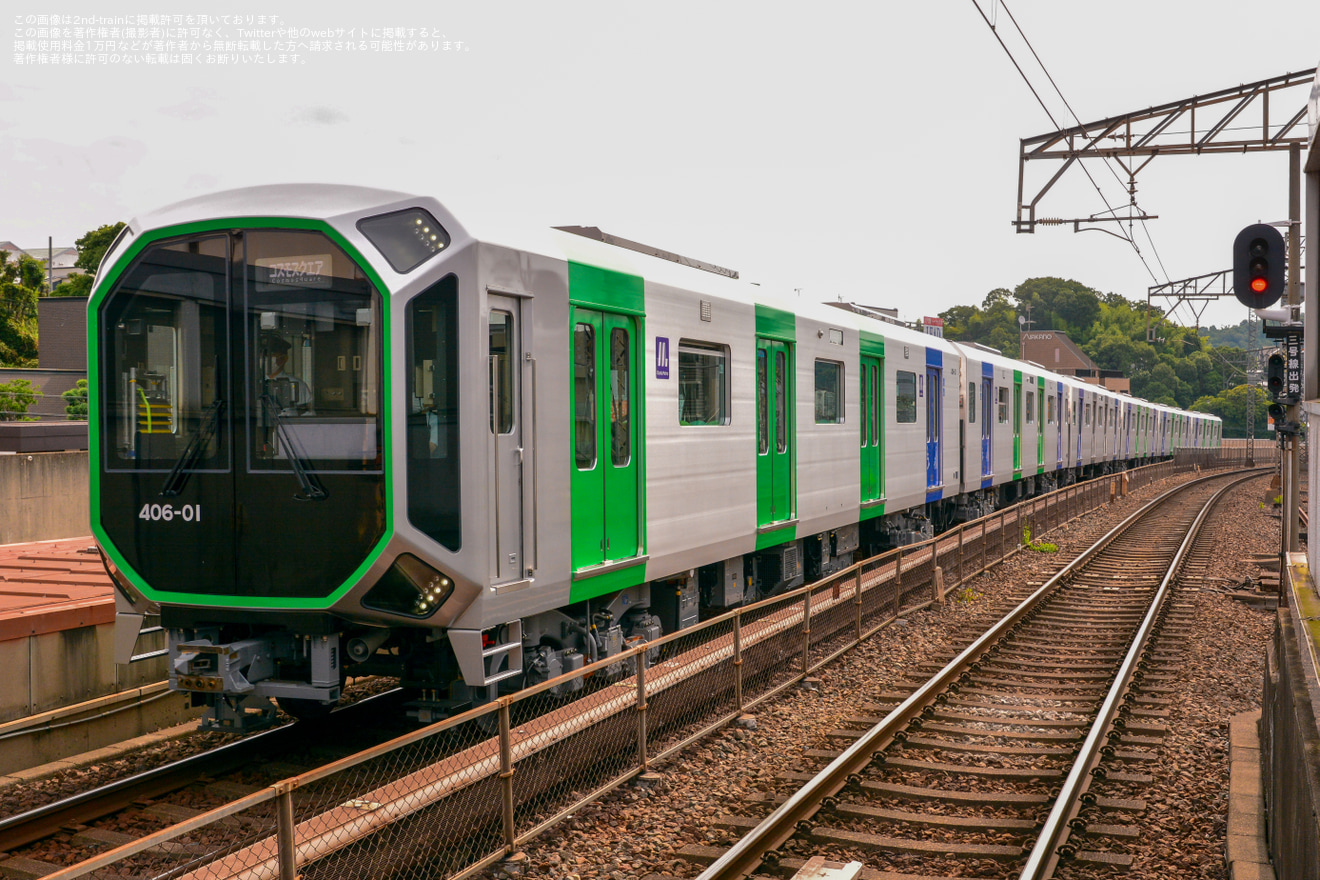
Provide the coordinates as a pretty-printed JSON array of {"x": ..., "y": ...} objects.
[
  {"x": 962, "y": 533},
  {"x": 641, "y": 710},
  {"x": 737, "y": 658},
  {"x": 857, "y": 600},
  {"x": 284, "y": 834},
  {"x": 806, "y": 632},
  {"x": 506, "y": 776},
  {"x": 898, "y": 581}
]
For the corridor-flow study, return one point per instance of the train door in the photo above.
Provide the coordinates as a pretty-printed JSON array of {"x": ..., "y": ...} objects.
[
  {"x": 933, "y": 420},
  {"x": 1040, "y": 423},
  {"x": 1127, "y": 430},
  {"x": 504, "y": 372},
  {"x": 1017, "y": 423},
  {"x": 606, "y": 525},
  {"x": 1059, "y": 419},
  {"x": 873, "y": 408},
  {"x": 987, "y": 434},
  {"x": 774, "y": 431},
  {"x": 1081, "y": 413}
]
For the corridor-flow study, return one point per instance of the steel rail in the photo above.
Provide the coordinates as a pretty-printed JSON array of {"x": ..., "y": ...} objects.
[
  {"x": 1044, "y": 855},
  {"x": 745, "y": 856},
  {"x": 79, "y": 809}
]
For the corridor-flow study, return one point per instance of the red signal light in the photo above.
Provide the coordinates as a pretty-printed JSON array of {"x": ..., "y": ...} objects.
[{"x": 1259, "y": 285}]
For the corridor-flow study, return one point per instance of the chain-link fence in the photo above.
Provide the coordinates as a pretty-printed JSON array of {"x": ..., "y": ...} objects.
[{"x": 453, "y": 798}]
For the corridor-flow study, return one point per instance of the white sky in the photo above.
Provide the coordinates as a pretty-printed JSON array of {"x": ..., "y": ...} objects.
[{"x": 864, "y": 151}]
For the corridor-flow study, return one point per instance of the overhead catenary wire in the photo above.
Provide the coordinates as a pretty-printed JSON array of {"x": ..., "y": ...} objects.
[
  {"x": 1126, "y": 235},
  {"x": 1108, "y": 162}
]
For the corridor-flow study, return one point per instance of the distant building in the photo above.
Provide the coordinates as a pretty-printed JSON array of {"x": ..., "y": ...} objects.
[
  {"x": 61, "y": 260},
  {"x": 1053, "y": 350}
]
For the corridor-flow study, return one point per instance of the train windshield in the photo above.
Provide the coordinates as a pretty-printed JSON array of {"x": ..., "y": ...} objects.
[
  {"x": 241, "y": 415},
  {"x": 305, "y": 396}
]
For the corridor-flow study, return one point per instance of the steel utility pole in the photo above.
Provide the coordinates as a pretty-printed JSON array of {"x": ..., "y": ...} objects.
[
  {"x": 1293, "y": 412},
  {"x": 1251, "y": 391}
]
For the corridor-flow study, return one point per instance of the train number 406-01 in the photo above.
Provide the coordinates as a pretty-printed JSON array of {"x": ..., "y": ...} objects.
[{"x": 168, "y": 512}]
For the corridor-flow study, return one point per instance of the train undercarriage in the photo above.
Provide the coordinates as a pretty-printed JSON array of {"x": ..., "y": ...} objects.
[{"x": 235, "y": 665}]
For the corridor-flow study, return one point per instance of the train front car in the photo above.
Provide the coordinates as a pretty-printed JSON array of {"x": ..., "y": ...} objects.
[{"x": 242, "y": 481}]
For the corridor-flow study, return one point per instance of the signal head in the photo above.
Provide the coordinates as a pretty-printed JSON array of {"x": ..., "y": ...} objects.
[
  {"x": 1259, "y": 272},
  {"x": 1275, "y": 368}
]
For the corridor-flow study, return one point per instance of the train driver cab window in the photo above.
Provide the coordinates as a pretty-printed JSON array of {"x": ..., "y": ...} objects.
[
  {"x": 1003, "y": 405},
  {"x": 905, "y": 396},
  {"x": 314, "y": 348},
  {"x": 829, "y": 392},
  {"x": 703, "y": 383},
  {"x": 166, "y": 353},
  {"x": 432, "y": 385}
]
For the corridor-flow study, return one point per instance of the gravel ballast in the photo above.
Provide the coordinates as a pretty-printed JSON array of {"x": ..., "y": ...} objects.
[{"x": 638, "y": 832}]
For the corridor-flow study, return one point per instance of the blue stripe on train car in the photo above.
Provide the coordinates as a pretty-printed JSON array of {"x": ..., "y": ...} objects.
[
  {"x": 988, "y": 371},
  {"x": 934, "y": 357}
]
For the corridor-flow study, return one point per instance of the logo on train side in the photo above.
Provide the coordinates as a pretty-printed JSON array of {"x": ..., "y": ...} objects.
[{"x": 661, "y": 357}]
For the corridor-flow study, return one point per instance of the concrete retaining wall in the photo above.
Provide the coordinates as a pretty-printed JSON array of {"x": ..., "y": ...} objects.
[
  {"x": 44, "y": 495},
  {"x": 52, "y": 679},
  {"x": 54, "y": 670}
]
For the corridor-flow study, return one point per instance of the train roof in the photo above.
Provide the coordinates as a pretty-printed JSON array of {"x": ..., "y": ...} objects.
[{"x": 340, "y": 202}]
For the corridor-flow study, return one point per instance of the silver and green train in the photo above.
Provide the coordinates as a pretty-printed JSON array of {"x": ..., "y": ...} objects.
[{"x": 339, "y": 430}]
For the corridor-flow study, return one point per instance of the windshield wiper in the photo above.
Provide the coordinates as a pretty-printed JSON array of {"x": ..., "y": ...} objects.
[
  {"x": 178, "y": 477},
  {"x": 312, "y": 490}
]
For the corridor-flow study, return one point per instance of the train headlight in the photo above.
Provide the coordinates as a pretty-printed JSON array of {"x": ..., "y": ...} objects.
[
  {"x": 406, "y": 238},
  {"x": 411, "y": 588}
]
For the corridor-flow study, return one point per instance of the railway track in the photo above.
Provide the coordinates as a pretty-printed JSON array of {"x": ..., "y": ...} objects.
[
  {"x": 214, "y": 776},
  {"x": 438, "y": 790},
  {"x": 1028, "y": 748}
]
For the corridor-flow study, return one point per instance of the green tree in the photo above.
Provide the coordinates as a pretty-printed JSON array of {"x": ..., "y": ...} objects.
[
  {"x": 993, "y": 324},
  {"x": 1234, "y": 406},
  {"x": 15, "y": 398},
  {"x": 18, "y": 310},
  {"x": 93, "y": 245},
  {"x": 75, "y": 401},
  {"x": 79, "y": 284}
]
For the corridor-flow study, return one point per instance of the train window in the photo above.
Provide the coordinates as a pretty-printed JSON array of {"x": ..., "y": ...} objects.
[
  {"x": 1003, "y": 405},
  {"x": 829, "y": 392},
  {"x": 877, "y": 404},
  {"x": 406, "y": 238},
  {"x": 432, "y": 385},
  {"x": 314, "y": 341},
  {"x": 166, "y": 355},
  {"x": 905, "y": 396},
  {"x": 703, "y": 383},
  {"x": 762, "y": 402},
  {"x": 584, "y": 396},
  {"x": 620, "y": 398},
  {"x": 1049, "y": 410},
  {"x": 501, "y": 373},
  {"x": 971, "y": 402},
  {"x": 1031, "y": 407},
  {"x": 781, "y": 402}
]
